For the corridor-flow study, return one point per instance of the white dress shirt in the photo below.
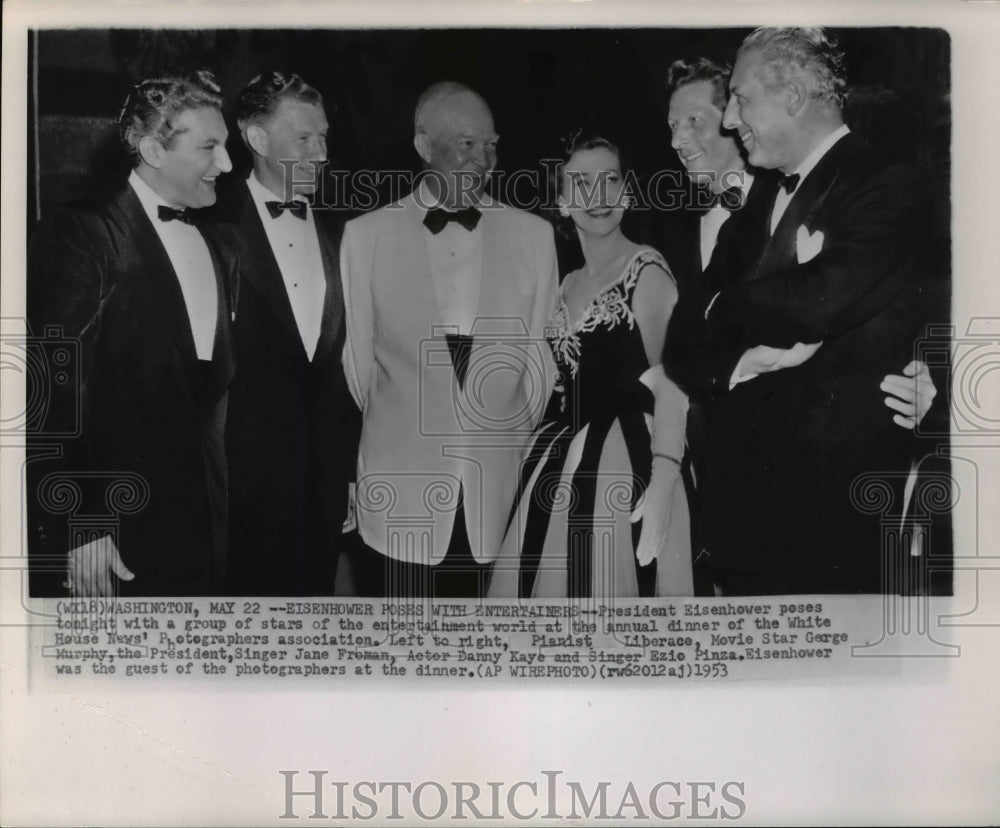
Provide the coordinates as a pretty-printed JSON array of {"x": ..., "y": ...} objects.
[
  {"x": 296, "y": 249},
  {"x": 455, "y": 256},
  {"x": 192, "y": 263},
  {"x": 782, "y": 200},
  {"x": 712, "y": 221}
]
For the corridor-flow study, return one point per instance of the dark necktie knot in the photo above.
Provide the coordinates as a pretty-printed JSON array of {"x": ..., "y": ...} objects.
[
  {"x": 164, "y": 213},
  {"x": 296, "y": 207},
  {"x": 729, "y": 199},
  {"x": 438, "y": 217},
  {"x": 789, "y": 182}
]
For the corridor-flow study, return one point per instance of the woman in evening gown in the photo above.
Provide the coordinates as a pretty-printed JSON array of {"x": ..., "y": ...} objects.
[{"x": 600, "y": 509}]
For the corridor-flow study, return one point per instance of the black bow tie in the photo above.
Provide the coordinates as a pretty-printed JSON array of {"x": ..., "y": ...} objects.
[
  {"x": 789, "y": 182},
  {"x": 729, "y": 199},
  {"x": 438, "y": 217},
  {"x": 296, "y": 207},
  {"x": 164, "y": 213}
]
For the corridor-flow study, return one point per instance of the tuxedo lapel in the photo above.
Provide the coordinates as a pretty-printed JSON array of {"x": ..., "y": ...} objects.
[
  {"x": 493, "y": 284},
  {"x": 696, "y": 264},
  {"x": 742, "y": 237},
  {"x": 152, "y": 261},
  {"x": 726, "y": 238},
  {"x": 333, "y": 303},
  {"x": 223, "y": 366},
  {"x": 416, "y": 287},
  {"x": 496, "y": 307},
  {"x": 260, "y": 268},
  {"x": 805, "y": 205}
]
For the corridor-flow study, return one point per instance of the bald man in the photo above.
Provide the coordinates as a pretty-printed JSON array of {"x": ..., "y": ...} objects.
[{"x": 447, "y": 293}]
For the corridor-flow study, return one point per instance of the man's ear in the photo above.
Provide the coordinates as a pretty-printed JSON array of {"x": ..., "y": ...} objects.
[
  {"x": 151, "y": 151},
  {"x": 256, "y": 138},
  {"x": 796, "y": 96},
  {"x": 422, "y": 144}
]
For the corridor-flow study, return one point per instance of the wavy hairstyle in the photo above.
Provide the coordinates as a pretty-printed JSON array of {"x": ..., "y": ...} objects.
[
  {"x": 691, "y": 70},
  {"x": 572, "y": 143},
  {"x": 153, "y": 106},
  {"x": 260, "y": 98},
  {"x": 804, "y": 52}
]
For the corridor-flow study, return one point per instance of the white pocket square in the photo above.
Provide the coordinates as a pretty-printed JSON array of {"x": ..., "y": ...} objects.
[{"x": 807, "y": 245}]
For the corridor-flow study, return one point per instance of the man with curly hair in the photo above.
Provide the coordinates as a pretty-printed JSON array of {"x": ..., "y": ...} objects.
[{"x": 148, "y": 298}]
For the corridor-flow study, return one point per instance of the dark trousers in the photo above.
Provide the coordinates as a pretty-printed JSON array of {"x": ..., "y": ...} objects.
[{"x": 459, "y": 575}]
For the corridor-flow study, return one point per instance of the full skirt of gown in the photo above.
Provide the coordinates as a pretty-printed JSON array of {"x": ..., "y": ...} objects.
[{"x": 573, "y": 530}]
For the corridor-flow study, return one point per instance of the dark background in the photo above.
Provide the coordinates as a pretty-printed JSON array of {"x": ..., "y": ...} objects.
[{"x": 541, "y": 84}]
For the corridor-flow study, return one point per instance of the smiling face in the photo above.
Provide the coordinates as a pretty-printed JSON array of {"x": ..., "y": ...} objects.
[
  {"x": 185, "y": 172},
  {"x": 760, "y": 116},
  {"x": 290, "y": 148},
  {"x": 460, "y": 144},
  {"x": 695, "y": 121},
  {"x": 592, "y": 189}
]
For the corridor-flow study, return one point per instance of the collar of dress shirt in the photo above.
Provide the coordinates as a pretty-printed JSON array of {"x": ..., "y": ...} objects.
[
  {"x": 814, "y": 157},
  {"x": 426, "y": 201},
  {"x": 261, "y": 195},
  {"x": 150, "y": 199}
]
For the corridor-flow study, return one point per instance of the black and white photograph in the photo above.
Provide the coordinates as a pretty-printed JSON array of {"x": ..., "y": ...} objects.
[
  {"x": 565, "y": 355},
  {"x": 501, "y": 415}
]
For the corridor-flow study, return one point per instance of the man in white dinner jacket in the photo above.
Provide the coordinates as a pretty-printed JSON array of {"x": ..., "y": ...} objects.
[{"x": 447, "y": 294}]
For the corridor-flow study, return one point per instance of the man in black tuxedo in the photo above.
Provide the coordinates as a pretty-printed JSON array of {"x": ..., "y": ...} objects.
[
  {"x": 138, "y": 496},
  {"x": 727, "y": 203},
  {"x": 793, "y": 349},
  {"x": 291, "y": 436},
  {"x": 715, "y": 235}
]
